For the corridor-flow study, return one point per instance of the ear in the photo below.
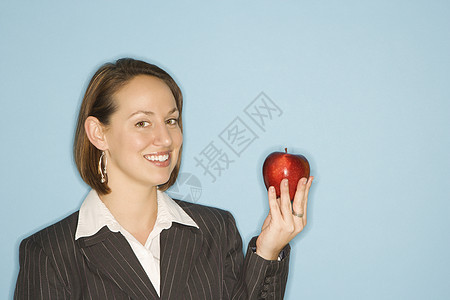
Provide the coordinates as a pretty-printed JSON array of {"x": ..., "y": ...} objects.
[{"x": 95, "y": 132}]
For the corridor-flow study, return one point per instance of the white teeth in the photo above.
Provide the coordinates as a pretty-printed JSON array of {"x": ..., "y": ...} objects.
[{"x": 157, "y": 157}]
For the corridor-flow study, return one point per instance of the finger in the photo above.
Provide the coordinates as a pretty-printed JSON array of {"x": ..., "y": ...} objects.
[
  {"x": 278, "y": 200},
  {"x": 273, "y": 204},
  {"x": 308, "y": 185},
  {"x": 305, "y": 205},
  {"x": 298, "y": 203},
  {"x": 286, "y": 207}
]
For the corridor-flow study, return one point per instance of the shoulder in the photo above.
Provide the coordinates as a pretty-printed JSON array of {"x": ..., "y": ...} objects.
[
  {"x": 196, "y": 208},
  {"x": 217, "y": 226},
  {"x": 207, "y": 216},
  {"x": 51, "y": 252},
  {"x": 60, "y": 235}
]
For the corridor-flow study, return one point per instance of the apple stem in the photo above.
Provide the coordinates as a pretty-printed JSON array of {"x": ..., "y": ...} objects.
[{"x": 285, "y": 150}]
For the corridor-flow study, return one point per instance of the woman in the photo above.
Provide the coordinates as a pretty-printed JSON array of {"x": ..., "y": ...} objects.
[{"x": 130, "y": 240}]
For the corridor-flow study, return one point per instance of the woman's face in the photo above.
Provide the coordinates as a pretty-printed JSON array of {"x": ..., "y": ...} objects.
[{"x": 143, "y": 137}]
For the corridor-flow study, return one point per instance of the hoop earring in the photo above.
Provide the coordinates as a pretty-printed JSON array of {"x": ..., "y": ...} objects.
[{"x": 101, "y": 170}]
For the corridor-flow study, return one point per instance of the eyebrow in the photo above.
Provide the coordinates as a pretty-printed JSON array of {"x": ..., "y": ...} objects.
[{"x": 149, "y": 113}]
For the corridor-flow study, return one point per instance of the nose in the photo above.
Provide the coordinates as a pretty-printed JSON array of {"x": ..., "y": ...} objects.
[{"x": 162, "y": 136}]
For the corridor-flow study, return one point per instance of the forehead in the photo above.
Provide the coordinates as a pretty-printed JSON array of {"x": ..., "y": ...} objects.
[{"x": 145, "y": 92}]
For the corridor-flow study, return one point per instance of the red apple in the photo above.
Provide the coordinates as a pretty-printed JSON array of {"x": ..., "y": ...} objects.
[{"x": 280, "y": 165}]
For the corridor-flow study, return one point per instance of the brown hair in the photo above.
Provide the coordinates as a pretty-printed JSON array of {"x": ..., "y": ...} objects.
[{"x": 98, "y": 102}]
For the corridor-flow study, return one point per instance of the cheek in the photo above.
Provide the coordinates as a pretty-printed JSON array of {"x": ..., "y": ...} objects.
[
  {"x": 138, "y": 143},
  {"x": 177, "y": 141},
  {"x": 179, "y": 138},
  {"x": 139, "y": 140},
  {"x": 126, "y": 142}
]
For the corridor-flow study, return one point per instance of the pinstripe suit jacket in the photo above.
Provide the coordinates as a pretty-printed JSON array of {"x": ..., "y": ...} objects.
[{"x": 204, "y": 263}]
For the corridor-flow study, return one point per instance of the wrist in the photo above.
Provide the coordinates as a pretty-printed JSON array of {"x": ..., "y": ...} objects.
[{"x": 269, "y": 255}]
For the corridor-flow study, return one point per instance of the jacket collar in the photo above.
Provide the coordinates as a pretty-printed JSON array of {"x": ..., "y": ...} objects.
[
  {"x": 110, "y": 254},
  {"x": 94, "y": 215}
]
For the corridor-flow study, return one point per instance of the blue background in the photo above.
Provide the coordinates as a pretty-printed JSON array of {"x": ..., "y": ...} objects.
[{"x": 363, "y": 87}]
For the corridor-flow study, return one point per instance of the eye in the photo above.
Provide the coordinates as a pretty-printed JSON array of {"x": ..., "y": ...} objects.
[
  {"x": 172, "y": 121},
  {"x": 142, "y": 124}
]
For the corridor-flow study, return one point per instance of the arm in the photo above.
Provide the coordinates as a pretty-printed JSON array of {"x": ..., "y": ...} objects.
[
  {"x": 261, "y": 278},
  {"x": 262, "y": 275},
  {"x": 37, "y": 277},
  {"x": 253, "y": 277}
]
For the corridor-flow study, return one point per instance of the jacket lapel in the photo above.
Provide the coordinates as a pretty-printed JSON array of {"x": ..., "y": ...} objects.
[
  {"x": 111, "y": 254},
  {"x": 180, "y": 247}
]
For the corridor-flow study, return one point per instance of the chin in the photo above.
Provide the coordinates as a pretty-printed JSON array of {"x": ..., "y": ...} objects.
[
  {"x": 159, "y": 178},
  {"x": 162, "y": 181}
]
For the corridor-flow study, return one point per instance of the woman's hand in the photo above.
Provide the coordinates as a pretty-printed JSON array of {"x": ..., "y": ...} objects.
[{"x": 285, "y": 219}]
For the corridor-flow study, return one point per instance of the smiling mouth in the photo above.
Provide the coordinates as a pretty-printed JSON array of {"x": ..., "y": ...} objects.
[
  {"x": 160, "y": 159},
  {"x": 157, "y": 157}
]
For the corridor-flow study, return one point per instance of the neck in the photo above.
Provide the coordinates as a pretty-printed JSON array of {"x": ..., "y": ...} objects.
[{"x": 134, "y": 208}]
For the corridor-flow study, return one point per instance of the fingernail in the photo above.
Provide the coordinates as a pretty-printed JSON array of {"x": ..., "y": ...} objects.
[
  {"x": 286, "y": 182},
  {"x": 271, "y": 189},
  {"x": 304, "y": 180}
]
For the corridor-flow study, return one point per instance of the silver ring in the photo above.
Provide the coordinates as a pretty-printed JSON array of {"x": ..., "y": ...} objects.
[{"x": 297, "y": 215}]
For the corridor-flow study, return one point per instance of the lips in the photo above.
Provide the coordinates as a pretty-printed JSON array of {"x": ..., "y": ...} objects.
[{"x": 160, "y": 159}]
